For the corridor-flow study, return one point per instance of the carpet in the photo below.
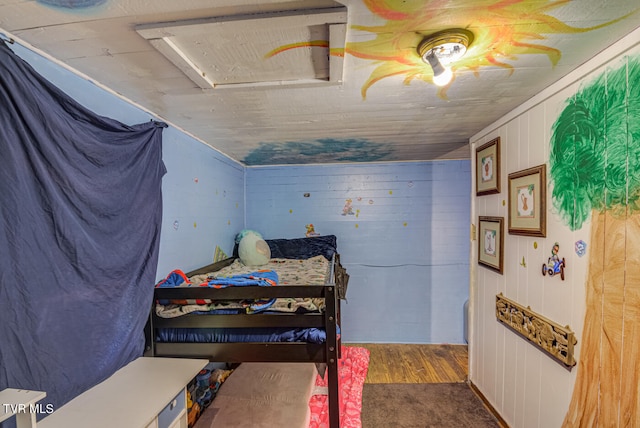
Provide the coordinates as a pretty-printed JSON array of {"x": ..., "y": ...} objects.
[{"x": 422, "y": 405}]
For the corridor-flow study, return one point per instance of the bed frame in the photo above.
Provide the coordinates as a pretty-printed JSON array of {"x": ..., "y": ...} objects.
[{"x": 322, "y": 354}]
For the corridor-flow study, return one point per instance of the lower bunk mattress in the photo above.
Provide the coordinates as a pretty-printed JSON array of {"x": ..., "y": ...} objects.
[
  {"x": 235, "y": 335},
  {"x": 263, "y": 395}
]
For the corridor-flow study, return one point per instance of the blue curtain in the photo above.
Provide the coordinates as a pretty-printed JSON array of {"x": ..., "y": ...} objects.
[{"x": 80, "y": 215}]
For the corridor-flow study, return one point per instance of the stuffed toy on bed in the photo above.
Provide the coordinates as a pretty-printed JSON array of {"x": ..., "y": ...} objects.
[{"x": 252, "y": 249}]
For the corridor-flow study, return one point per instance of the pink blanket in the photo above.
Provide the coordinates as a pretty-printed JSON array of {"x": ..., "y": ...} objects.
[{"x": 352, "y": 371}]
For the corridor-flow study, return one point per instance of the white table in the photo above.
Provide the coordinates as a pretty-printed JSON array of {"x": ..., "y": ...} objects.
[{"x": 147, "y": 393}]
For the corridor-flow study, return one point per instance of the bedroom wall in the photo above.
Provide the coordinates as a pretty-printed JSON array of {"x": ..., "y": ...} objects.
[
  {"x": 203, "y": 190},
  {"x": 403, "y": 233},
  {"x": 528, "y": 388}
]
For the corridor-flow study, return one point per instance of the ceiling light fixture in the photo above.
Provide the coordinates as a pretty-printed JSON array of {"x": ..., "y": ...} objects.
[{"x": 443, "y": 48}]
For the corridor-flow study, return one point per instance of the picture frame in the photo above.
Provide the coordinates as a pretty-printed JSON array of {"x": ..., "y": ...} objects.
[
  {"x": 491, "y": 243},
  {"x": 528, "y": 202},
  {"x": 488, "y": 168}
]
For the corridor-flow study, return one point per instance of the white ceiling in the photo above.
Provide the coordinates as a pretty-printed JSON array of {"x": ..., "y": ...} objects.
[{"x": 320, "y": 81}]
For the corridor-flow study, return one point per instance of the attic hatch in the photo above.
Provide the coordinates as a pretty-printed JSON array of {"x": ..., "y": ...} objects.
[{"x": 231, "y": 51}]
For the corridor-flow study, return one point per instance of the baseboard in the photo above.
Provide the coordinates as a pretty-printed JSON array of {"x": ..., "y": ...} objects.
[{"x": 492, "y": 410}]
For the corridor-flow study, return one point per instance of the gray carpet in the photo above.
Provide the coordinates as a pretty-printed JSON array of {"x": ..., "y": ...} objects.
[{"x": 422, "y": 405}]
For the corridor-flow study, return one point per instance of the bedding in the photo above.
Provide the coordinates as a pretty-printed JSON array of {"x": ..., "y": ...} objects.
[
  {"x": 303, "y": 248},
  {"x": 352, "y": 372},
  {"x": 295, "y": 321},
  {"x": 312, "y": 271}
]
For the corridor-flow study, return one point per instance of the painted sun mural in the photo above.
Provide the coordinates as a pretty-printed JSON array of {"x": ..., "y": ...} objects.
[{"x": 503, "y": 31}]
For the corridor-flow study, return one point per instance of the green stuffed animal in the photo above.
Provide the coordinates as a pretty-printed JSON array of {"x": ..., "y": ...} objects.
[{"x": 253, "y": 250}]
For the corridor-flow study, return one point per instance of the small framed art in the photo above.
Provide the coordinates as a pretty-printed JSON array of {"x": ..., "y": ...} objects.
[
  {"x": 527, "y": 202},
  {"x": 491, "y": 242},
  {"x": 488, "y": 168}
]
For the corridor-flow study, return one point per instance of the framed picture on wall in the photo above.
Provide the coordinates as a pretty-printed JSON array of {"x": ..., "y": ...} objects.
[
  {"x": 488, "y": 168},
  {"x": 527, "y": 202},
  {"x": 491, "y": 242}
]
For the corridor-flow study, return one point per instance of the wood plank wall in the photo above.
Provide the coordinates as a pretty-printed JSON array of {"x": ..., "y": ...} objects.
[
  {"x": 405, "y": 240},
  {"x": 525, "y": 386}
]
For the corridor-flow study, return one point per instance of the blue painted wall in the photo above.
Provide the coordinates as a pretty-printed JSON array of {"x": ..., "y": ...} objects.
[
  {"x": 203, "y": 191},
  {"x": 203, "y": 200},
  {"x": 405, "y": 240}
]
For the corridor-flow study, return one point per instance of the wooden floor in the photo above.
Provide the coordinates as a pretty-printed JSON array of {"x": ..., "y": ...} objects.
[{"x": 400, "y": 363}]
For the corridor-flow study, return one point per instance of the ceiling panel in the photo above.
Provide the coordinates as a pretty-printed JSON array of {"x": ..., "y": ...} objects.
[{"x": 239, "y": 49}]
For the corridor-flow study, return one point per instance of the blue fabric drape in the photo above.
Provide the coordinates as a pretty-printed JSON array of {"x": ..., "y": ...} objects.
[{"x": 80, "y": 216}]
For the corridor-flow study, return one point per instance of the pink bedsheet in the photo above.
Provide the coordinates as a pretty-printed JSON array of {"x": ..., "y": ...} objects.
[{"x": 352, "y": 371}]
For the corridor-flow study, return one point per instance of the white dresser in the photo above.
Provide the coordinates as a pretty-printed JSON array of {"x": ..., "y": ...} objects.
[{"x": 147, "y": 393}]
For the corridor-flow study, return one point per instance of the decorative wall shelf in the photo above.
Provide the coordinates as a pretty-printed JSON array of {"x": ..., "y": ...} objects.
[{"x": 552, "y": 338}]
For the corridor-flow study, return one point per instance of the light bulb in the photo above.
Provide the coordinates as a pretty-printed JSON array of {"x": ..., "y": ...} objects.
[
  {"x": 443, "y": 78},
  {"x": 441, "y": 74}
]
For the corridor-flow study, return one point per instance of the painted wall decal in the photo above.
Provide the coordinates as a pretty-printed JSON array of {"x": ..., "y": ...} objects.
[
  {"x": 319, "y": 151},
  {"x": 581, "y": 248},
  {"x": 595, "y": 168},
  {"x": 348, "y": 207},
  {"x": 554, "y": 265},
  {"x": 311, "y": 231}
]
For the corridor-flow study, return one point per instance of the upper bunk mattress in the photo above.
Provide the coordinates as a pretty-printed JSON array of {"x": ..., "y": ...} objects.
[{"x": 313, "y": 271}]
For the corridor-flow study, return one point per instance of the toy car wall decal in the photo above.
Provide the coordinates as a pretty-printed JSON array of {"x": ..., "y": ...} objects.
[{"x": 555, "y": 265}]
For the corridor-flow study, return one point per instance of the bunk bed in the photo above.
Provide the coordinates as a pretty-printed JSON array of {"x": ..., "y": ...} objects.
[{"x": 179, "y": 336}]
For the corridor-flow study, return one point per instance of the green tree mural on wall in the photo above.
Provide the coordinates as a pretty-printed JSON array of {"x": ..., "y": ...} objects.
[
  {"x": 596, "y": 146},
  {"x": 595, "y": 170}
]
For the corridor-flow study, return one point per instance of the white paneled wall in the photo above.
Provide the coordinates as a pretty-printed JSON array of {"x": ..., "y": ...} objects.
[
  {"x": 405, "y": 242},
  {"x": 528, "y": 388}
]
